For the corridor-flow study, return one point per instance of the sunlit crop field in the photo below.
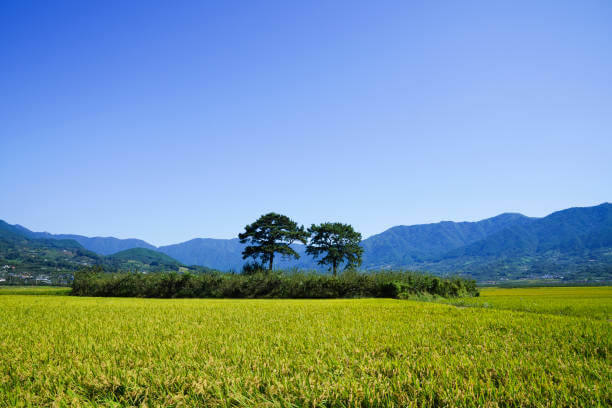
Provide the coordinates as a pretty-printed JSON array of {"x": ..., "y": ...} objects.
[
  {"x": 66, "y": 351},
  {"x": 593, "y": 302},
  {"x": 34, "y": 290}
]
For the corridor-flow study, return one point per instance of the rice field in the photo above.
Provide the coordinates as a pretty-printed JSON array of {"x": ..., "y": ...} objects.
[
  {"x": 34, "y": 290},
  {"x": 592, "y": 302},
  {"x": 66, "y": 351}
]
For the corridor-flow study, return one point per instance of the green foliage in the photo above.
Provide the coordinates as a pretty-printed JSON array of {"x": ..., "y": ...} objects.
[
  {"x": 272, "y": 233},
  {"x": 251, "y": 268},
  {"x": 338, "y": 242},
  {"x": 59, "y": 258},
  {"x": 266, "y": 284},
  {"x": 32, "y": 257},
  {"x": 141, "y": 259},
  {"x": 35, "y": 290}
]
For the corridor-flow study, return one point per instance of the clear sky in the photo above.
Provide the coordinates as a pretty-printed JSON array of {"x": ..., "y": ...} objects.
[{"x": 170, "y": 120}]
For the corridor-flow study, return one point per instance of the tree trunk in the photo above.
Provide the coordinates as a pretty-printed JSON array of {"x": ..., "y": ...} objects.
[
  {"x": 271, "y": 262},
  {"x": 334, "y": 267}
]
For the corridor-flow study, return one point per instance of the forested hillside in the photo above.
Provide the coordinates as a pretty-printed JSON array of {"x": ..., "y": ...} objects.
[{"x": 37, "y": 260}]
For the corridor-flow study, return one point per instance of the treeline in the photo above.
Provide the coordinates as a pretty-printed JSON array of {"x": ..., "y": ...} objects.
[{"x": 278, "y": 285}]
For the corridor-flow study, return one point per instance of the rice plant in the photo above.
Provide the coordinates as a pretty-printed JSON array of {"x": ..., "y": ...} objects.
[{"x": 76, "y": 351}]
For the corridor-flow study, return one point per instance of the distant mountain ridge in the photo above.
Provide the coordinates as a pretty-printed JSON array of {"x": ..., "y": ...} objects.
[
  {"x": 99, "y": 245},
  {"x": 407, "y": 245},
  {"x": 28, "y": 255},
  {"x": 223, "y": 254},
  {"x": 573, "y": 242}
]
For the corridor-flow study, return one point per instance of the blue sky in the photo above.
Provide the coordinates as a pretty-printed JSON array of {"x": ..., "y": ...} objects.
[{"x": 172, "y": 120}]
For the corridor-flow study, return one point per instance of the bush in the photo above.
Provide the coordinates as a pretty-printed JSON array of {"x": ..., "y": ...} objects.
[
  {"x": 251, "y": 268},
  {"x": 263, "y": 284}
]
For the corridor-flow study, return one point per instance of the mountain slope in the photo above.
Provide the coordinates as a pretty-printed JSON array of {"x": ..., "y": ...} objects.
[
  {"x": 10, "y": 232},
  {"x": 226, "y": 254},
  {"x": 572, "y": 231},
  {"x": 142, "y": 259},
  {"x": 99, "y": 245},
  {"x": 223, "y": 254},
  {"x": 575, "y": 244},
  {"x": 25, "y": 256},
  {"x": 407, "y": 245}
]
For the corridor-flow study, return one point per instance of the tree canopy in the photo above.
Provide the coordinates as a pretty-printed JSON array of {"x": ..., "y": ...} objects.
[
  {"x": 339, "y": 242},
  {"x": 272, "y": 233}
]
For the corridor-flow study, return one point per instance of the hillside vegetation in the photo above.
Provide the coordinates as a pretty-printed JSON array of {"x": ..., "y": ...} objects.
[
  {"x": 573, "y": 244},
  {"x": 26, "y": 260},
  {"x": 141, "y": 259}
]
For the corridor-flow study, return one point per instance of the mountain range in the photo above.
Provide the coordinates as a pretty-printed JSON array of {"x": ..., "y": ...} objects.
[
  {"x": 574, "y": 244},
  {"x": 28, "y": 254}
]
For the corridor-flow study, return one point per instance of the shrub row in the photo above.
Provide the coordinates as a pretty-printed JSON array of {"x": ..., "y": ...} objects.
[{"x": 269, "y": 285}]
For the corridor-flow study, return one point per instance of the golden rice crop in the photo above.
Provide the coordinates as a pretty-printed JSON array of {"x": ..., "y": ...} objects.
[
  {"x": 67, "y": 351},
  {"x": 593, "y": 302}
]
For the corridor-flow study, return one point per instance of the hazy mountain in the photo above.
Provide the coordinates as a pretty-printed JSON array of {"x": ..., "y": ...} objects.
[
  {"x": 407, "y": 245},
  {"x": 573, "y": 231},
  {"x": 40, "y": 256},
  {"x": 8, "y": 231},
  {"x": 226, "y": 254},
  {"x": 222, "y": 254},
  {"x": 99, "y": 245},
  {"x": 31, "y": 256},
  {"x": 575, "y": 243},
  {"x": 569, "y": 242}
]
